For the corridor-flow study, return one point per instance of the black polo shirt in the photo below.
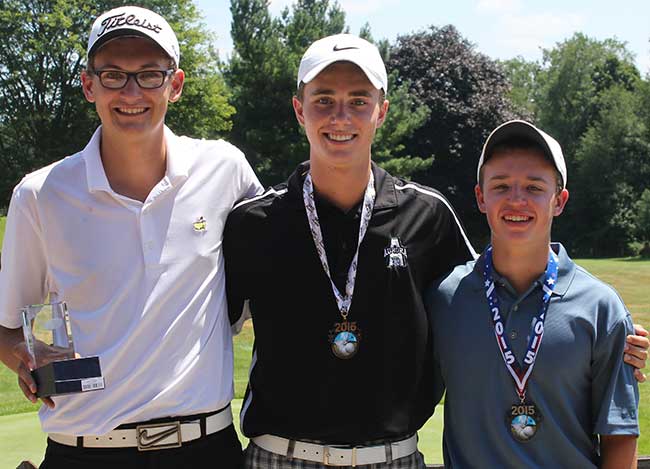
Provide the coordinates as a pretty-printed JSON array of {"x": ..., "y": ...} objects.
[{"x": 298, "y": 388}]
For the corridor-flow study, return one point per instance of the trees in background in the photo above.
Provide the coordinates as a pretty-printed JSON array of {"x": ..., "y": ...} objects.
[
  {"x": 43, "y": 114},
  {"x": 444, "y": 97},
  {"x": 572, "y": 75},
  {"x": 611, "y": 169},
  {"x": 466, "y": 95},
  {"x": 41, "y": 105},
  {"x": 642, "y": 210}
]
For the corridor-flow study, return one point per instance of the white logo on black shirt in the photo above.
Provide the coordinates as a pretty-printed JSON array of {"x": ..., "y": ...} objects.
[{"x": 395, "y": 254}]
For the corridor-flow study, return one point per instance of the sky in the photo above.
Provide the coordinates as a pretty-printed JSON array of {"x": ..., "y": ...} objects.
[{"x": 501, "y": 29}]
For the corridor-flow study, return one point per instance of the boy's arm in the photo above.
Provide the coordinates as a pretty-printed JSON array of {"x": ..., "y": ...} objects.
[
  {"x": 237, "y": 264},
  {"x": 618, "y": 451}
]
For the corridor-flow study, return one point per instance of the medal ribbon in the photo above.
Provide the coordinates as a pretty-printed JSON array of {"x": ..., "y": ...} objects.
[
  {"x": 343, "y": 301},
  {"x": 519, "y": 373}
]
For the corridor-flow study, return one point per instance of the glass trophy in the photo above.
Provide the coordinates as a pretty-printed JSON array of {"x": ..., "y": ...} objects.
[{"x": 58, "y": 369}]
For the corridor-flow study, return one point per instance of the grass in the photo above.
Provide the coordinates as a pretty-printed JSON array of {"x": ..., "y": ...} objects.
[
  {"x": 3, "y": 222},
  {"x": 21, "y": 437},
  {"x": 243, "y": 345}
]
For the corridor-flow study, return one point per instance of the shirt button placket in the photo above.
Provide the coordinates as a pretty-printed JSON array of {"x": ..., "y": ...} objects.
[{"x": 146, "y": 234}]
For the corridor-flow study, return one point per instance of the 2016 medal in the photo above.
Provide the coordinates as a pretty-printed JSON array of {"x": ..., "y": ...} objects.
[
  {"x": 524, "y": 420},
  {"x": 344, "y": 336}
]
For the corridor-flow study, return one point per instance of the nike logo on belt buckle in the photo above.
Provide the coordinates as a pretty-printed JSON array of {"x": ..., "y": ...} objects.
[{"x": 159, "y": 436}]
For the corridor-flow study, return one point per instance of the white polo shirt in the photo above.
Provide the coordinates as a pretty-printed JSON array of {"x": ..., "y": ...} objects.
[{"x": 144, "y": 282}]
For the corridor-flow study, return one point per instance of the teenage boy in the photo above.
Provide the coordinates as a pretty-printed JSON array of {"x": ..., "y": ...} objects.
[
  {"x": 331, "y": 264},
  {"x": 527, "y": 342},
  {"x": 128, "y": 232}
]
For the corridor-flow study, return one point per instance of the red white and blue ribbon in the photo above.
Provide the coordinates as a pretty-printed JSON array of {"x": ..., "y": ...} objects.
[{"x": 520, "y": 373}]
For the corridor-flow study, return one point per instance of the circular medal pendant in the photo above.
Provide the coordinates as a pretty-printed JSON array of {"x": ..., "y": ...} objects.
[
  {"x": 344, "y": 339},
  {"x": 345, "y": 345},
  {"x": 524, "y": 420}
]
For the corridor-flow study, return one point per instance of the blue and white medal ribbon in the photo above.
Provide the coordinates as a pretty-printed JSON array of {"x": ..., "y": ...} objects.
[
  {"x": 343, "y": 301},
  {"x": 344, "y": 336},
  {"x": 519, "y": 373}
]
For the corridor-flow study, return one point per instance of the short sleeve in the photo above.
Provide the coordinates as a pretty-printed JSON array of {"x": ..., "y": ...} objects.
[
  {"x": 249, "y": 184},
  {"x": 615, "y": 393},
  {"x": 23, "y": 275}
]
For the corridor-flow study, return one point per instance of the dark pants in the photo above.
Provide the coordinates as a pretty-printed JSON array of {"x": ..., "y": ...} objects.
[{"x": 221, "y": 450}]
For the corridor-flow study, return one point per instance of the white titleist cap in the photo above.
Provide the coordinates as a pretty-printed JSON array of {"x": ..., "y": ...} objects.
[
  {"x": 525, "y": 130},
  {"x": 343, "y": 48},
  {"x": 133, "y": 21}
]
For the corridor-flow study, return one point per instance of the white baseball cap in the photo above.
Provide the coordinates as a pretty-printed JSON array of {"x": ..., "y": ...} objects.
[
  {"x": 129, "y": 21},
  {"x": 343, "y": 48},
  {"x": 526, "y": 130}
]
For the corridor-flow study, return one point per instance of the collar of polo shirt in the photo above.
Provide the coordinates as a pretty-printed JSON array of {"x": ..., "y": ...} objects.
[{"x": 177, "y": 166}]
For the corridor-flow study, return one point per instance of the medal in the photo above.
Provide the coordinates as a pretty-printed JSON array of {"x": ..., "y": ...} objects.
[
  {"x": 345, "y": 335},
  {"x": 524, "y": 418},
  {"x": 344, "y": 338}
]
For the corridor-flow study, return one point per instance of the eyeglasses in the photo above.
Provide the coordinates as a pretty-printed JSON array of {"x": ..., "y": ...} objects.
[{"x": 147, "y": 79}]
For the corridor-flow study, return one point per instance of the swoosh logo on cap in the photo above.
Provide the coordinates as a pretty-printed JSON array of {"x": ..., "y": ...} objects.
[{"x": 338, "y": 49}]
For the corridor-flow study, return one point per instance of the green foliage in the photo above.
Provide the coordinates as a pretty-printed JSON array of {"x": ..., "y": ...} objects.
[
  {"x": 642, "y": 213},
  {"x": 42, "y": 109},
  {"x": 522, "y": 76},
  {"x": 262, "y": 74},
  {"x": 466, "y": 94},
  {"x": 43, "y": 114},
  {"x": 573, "y": 73},
  {"x": 612, "y": 167},
  {"x": 3, "y": 222},
  {"x": 405, "y": 115}
]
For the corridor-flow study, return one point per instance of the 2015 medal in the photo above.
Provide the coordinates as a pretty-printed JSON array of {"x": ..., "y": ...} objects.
[
  {"x": 523, "y": 418},
  {"x": 344, "y": 337}
]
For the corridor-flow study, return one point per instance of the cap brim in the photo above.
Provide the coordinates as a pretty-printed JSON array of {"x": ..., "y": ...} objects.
[
  {"x": 517, "y": 129},
  {"x": 529, "y": 132},
  {"x": 323, "y": 65},
  {"x": 124, "y": 32}
]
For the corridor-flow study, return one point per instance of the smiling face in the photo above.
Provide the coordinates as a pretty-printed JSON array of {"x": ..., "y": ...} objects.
[
  {"x": 340, "y": 111},
  {"x": 131, "y": 110},
  {"x": 519, "y": 196}
]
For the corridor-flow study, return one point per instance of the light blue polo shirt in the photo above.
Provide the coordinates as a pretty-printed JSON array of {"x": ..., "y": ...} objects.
[{"x": 579, "y": 383}]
